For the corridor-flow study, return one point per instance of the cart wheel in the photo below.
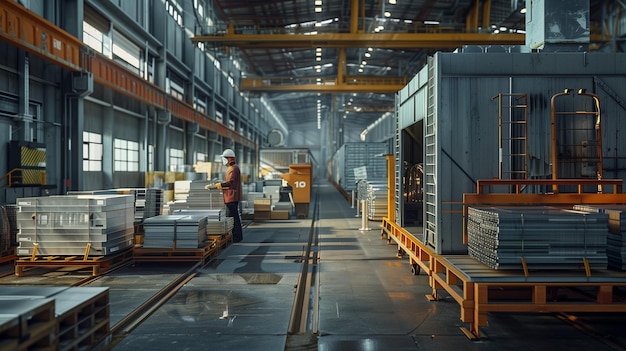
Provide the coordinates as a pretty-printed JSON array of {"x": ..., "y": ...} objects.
[{"x": 415, "y": 269}]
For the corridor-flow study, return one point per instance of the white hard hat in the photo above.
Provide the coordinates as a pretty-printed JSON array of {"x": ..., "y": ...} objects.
[{"x": 228, "y": 153}]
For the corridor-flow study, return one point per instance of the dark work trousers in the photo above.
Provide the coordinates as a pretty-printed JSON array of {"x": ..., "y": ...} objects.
[{"x": 233, "y": 211}]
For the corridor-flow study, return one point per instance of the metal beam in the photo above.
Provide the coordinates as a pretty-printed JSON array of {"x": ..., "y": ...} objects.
[
  {"x": 347, "y": 84},
  {"x": 361, "y": 40}
]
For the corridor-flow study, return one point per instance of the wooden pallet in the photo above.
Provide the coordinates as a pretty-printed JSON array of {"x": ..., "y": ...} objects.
[
  {"x": 86, "y": 325},
  {"x": 28, "y": 328},
  {"x": 221, "y": 240},
  {"x": 98, "y": 264},
  {"x": 142, "y": 254},
  {"x": 7, "y": 255}
]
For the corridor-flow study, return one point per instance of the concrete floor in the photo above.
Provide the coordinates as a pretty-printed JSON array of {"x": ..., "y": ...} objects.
[{"x": 368, "y": 299}]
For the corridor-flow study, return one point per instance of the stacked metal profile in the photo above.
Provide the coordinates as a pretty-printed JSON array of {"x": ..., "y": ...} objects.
[
  {"x": 545, "y": 237},
  {"x": 152, "y": 199},
  {"x": 69, "y": 224},
  {"x": 54, "y": 318},
  {"x": 175, "y": 231},
  {"x": 377, "y": 199},
  {"x": 216, "y": 221},
  {"x": 616, "y": 239}
]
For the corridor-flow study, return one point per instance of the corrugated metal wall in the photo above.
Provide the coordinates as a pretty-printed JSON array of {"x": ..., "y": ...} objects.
[{"x": 461, "y": 123}]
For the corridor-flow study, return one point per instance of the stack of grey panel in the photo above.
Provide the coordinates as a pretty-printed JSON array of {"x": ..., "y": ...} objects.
[
  {"x": 616, "y": 239},
  {"x": 180, "y": 231},
  {"x": 200, "y": 198},
  {"x": 216, "y": 221},
  {"x": 68, "y": 224},
  {"x": 546, "y": 237},
  {"x": 377, "y": 195},
  {"x": 191, "y": 232},
  {"x": 220, "y": 227}
]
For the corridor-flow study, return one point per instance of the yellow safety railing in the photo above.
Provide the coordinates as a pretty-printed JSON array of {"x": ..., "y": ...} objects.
[{"x": 16, "y": 177}]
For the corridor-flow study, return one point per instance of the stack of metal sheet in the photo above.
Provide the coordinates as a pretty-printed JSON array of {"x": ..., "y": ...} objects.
[
  {"x": 219, "y": 227},
  {"x": 545, "y": 237},
  {"x": 181, "y": 231},
  {"x": 377, "y": 199},
  {"x": 200, "y": 198},
  {"x": 69, "y": 224},
  {"x": 190, "y": 232},
  {"x": 616, "y": 239}
]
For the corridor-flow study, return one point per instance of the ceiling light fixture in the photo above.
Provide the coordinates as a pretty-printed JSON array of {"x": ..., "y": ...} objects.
[
  {"x": 367, "y": 54},
  {"x": 318, "y": 9},
  {"x": 318, "y": 2},
  {"x": 392, "y": 2},
  {"x": 387, "y": 14},
  {"x": 431, "y": 22}
]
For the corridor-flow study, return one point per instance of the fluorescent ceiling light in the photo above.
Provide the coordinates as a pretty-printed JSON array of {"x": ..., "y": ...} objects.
[{"x": 431, "y": 22}]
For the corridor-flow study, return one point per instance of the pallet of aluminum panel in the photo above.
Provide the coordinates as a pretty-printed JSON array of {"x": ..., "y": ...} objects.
[
  {"x": 546, "y": 237},
  {"x": 616, "y": 241},
  {"x": 83, "y": 247},
  {"x": 82, "y": 315},
  {"x": 97, "y": 264},
  {"x": 29, "y": 324},
  {"x": 200, "y": 254}
]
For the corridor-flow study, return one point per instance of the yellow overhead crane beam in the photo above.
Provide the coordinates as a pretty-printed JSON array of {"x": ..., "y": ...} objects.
[
  {"x": 360, "y": 40},
  {"x": 356, "y": 84}
]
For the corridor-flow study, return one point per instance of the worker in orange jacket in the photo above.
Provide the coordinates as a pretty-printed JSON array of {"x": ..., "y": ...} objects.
[{"x": 231, "y": 190}]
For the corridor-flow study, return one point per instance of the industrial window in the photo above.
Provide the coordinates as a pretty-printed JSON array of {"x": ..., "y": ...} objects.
[
  {"x": 199, "y": 104},
  {"x": 177, "y": 157},
  {"x": 175, "y": 89},
  {"x": 175, "y": 10},
  {"x": 200, "y": 157},
  {"x": 125, "y": 156},
  {"x": 96, "y": 32},
  {"x": 126, "y": 52},
  {"x": 92, "y": 152},
  {"x": 150, "y": 158}
]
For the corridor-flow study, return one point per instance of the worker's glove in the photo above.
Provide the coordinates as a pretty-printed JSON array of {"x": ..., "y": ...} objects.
[
  {"x": 218, "y": 186},
  {"x": 213, "y": 186}
]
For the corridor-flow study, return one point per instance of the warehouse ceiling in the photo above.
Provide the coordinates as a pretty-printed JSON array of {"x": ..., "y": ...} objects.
[{"x": 342, "y": 61}]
